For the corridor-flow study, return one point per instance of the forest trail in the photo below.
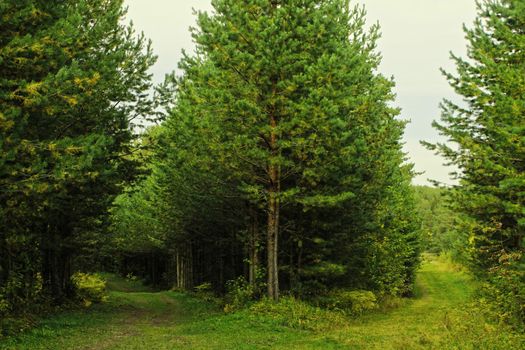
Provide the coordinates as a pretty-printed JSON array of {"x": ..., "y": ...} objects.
[
  {"x": 141, "y": 319},
  {"x": 442, "y": 297}
]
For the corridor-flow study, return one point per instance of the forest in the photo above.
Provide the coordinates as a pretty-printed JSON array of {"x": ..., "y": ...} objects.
[{"x": 263, "y": 191}]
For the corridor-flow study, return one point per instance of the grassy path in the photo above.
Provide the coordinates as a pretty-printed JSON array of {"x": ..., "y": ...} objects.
[
  {"x": 438, "y": 318},
  {"x": 442, "y": 296}
]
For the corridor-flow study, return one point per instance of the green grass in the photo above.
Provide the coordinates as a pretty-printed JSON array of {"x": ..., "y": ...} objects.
[
  {"x": 439, "y": 317},
  {"x": 119, "y": 284}
]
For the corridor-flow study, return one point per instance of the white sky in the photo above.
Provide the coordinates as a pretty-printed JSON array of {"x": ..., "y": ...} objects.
[{"x": 417, "y": 38}]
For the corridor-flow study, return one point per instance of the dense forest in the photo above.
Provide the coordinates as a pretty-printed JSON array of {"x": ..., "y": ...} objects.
[{"x": 271, "y": 166}]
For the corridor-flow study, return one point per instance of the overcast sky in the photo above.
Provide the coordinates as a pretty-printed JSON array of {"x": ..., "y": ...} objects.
[{"x": 417, "y": 38}]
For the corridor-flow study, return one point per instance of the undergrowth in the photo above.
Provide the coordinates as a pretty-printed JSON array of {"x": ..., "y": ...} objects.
[{"x": 294, "y": 313}]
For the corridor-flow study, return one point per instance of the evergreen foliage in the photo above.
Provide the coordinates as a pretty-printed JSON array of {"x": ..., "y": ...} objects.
[
  {"x": 487, "y": 144},
  {"x": 281, "y": 128},
  {"x": 72, "y": 79}
]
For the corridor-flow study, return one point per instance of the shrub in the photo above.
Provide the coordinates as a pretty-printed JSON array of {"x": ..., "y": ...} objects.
[
  {"x": 354, "y": 302},
  {"x": 205, "y": 292},
  {"x": 294, "y": 313},
  {"x": 90, "y": 288},
  {"x": 131, "y": 277},
  {"x": 503, "y": 293},
  {"x": 12, "y": 325},
  {"x": 4, "y": 305},
  {"x": 203, "y": 288},
  {"x": 20, "y": 299},
  {"x": 239, "y": 294}
]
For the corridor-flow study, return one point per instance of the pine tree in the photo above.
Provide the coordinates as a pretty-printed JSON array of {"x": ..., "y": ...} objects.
[
  {"x": 487, "y": 136},
  {"x": 286, "y": 97},
  {"x": 72, "y": 79}
]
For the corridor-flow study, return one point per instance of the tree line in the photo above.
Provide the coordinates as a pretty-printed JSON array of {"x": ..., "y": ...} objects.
[{"x": 276, "y": 160}]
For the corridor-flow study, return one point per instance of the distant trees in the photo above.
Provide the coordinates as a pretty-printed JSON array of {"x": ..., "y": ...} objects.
[
  {"x": 281, "y": 129},
  {"x": 488, "y": 147},
  {"x": 72, "y": 80},
  {"x": 439, "y": 233}
]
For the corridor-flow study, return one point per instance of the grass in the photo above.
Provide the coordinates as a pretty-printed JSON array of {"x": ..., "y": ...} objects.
[
  {"x": 118, "y": 284},
  {"x": 439, "y": 317}
]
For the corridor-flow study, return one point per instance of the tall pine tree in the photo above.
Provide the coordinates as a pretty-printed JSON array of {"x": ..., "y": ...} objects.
[
  {"x": 286, "y": 97},
  {"x": 487, "y": 136}
]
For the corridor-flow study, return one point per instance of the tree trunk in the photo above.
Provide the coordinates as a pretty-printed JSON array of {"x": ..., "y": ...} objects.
[
  {"x": 56, "y": 273},
  {"x": 253, "y": 248},
  {"x": 221, "y": 270},
  {"x": 188, "y": 284},
  {"x": 185, "y": 267},
  {"x": 274, "y": 190},
  {"x": 178, "y": 269},
  {"x": 272, "y": 245}
]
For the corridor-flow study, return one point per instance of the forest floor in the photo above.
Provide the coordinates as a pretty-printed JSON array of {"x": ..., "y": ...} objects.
[{"x": 439, "y": 317}]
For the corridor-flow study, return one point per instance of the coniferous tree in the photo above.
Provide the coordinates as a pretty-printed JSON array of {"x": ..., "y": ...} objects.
[
  {"x": 305, "y": 100},
  {"x": 286, "y": 98},
  {"x": 488, "y": 137},
  {"x": 72, "y": 79}
]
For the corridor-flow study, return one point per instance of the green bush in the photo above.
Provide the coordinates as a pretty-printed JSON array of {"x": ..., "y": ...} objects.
[
  {"x": 353, "y": 302},
  {"x": 90, "y": 288},
  {"x": 203, "y": 288},
  {"x": 503, "y": 293},
  {"x": 12, "y": 325},
  {"x": 20, "y": 299},
  {"x": 239, "y": 294},
  {"x": 205, "y": 292},
  {"x": 4, "y": 304},
  {"x": 294, "y": 313}
]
